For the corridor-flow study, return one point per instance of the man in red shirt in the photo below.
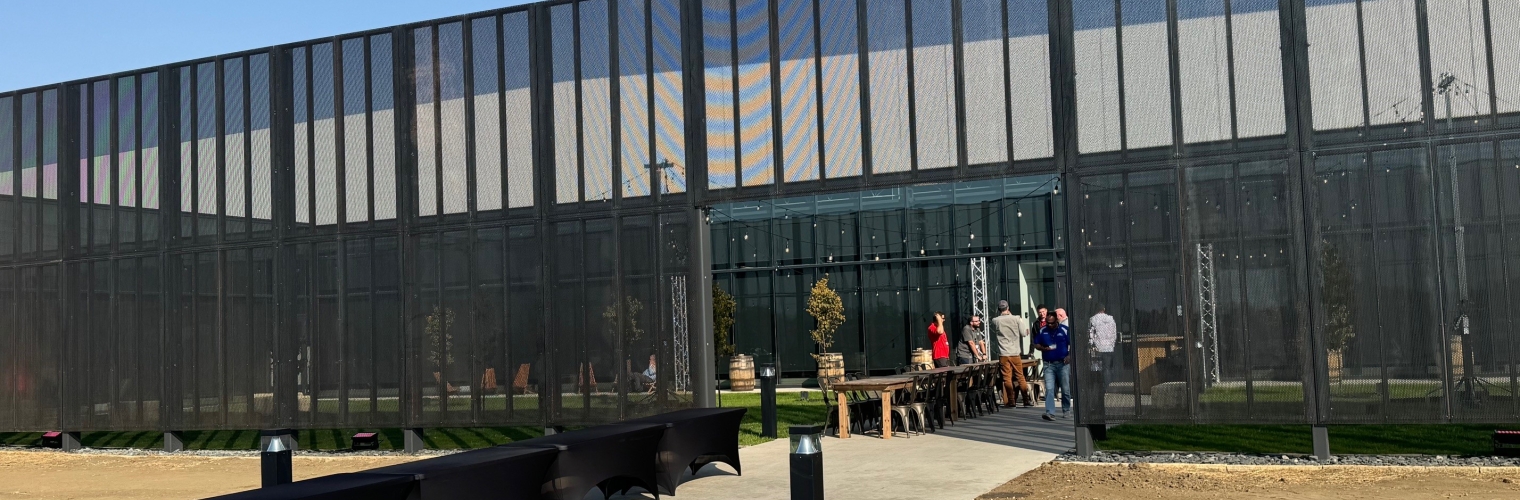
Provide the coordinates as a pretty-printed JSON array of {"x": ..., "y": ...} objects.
[{"x": 940, "y": 341}]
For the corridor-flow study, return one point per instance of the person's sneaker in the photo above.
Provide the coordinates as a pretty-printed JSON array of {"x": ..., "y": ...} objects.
[
  {"x": 1048, "y": 417},
  {"x": 1065, "y": 413}
]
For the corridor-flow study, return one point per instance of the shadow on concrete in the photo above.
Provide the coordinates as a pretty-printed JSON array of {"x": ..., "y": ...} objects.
[{"x": 1017, "y": 428}]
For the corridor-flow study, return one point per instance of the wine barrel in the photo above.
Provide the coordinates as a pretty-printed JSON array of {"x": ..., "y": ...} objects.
[
  {"x": 923, "y": 359},
  {"x": 830, "y": 366},
  {"x": 741, "y": 373}
]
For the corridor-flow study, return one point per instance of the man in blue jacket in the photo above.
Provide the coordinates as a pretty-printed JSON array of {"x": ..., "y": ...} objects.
[{"x": 1054, "y": 343}]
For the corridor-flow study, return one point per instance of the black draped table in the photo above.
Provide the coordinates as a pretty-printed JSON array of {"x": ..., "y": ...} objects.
[
  {"x": 693, "y": 438},
  {"x": 622, "y": 453},
  {"x": 498, "y": 472},
  {"x": 350, "y": 486}
]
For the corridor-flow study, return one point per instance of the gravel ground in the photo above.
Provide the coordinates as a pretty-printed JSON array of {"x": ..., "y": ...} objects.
[{"x": 1123, "y": 457}]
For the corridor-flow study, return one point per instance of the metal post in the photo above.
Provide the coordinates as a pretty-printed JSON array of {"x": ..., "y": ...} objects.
[
  {"x": 768, "y": 400},
  {"x": 413, "y": 440},
  {"x": 275, "y": 463},
  {"x": 704, "y": 383},
  {"x": 1085, "y": 444},
  {"x": 1321, "y": 442},
  {"x": 174, "y": 441},
  {"x": 807, "y": 462}
]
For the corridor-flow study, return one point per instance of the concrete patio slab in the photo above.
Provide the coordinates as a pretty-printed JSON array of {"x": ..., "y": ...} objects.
[{"x": 960, "y": 462}]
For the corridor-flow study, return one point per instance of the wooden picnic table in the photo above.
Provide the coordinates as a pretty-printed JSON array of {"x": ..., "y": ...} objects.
[
  {"x": 886, "y": 385},
  {"x": 956, "y": 372}
]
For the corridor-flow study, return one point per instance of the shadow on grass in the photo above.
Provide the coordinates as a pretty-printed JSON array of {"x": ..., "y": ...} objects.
[{"x": 1421, "y": 439}]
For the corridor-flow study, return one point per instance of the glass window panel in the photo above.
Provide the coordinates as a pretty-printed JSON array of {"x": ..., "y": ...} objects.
[
  {"x": 890, "y": 141},
  {"x": 258, "y": 119},
  {"x": 1097, "y": 59},
  {"x": 1203, "y": 43},
  {"x": 1257, "y": 42},
  {"x": 717, "y": 39},
  {"x": 518, "y": 101},
  {"x": 1389, "y": 35},
  {"x": 756, "y": 157},
  {"x": 840, "y": 52},
  {"x": 50, "y": 139},
  {"x": 301, "y": 115},
  {"x": 451, "y": 118},
  {"x": 1504, "y": 18},
  {"x": 100, "y": 144},
  {"x": 383, "y": 126},
  {"x": 149, "y": 137},
  {"x": 567, "y": 174},
  {"x": 235, "y": 130},
  {"x": 1458, "y": 49},
  {"x": 487, "y": 90},
  {"x": 799, "y": 99},
  {"x": 1029, "y": 77},
  {"x": 324, "y": 134},
  {"x": 934, "y": 84},
  {"x": 126, "y": 142},
  {"x": 1147, "y": 77},
  {"x": 669, "y": 114},
  {"x": 355, "y": 133},
  {"x": 426, "y": 126},
  {"x": 205, "y": 146},
  {"x": 596, "y": 100},
  {"x": 986, "y": 84},
  {"x": 633, "y": 87},
  {"x": 8, "y": 150},
  {"x": 1334, "y": 65}
]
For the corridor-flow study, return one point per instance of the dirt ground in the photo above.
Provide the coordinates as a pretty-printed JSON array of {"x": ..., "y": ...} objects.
[
  {"x": 1193, "y": 482},
  {"x": 56, "y": 475}
]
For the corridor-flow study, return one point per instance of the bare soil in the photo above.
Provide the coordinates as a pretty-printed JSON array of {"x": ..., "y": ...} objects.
[
  {"x": 1197, "y": 482},
  {"x": 57, "y": 475}
]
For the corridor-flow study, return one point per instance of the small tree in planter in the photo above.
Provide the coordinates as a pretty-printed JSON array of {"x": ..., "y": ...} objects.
[
  {"x": 723, "y": 320},
  {"x": 825, "y": 306},
  {"x": 1339, "y": 326}
]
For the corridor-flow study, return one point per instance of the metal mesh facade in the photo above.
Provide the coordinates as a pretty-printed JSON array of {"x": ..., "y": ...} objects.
[{"x": 1296, "y": 211}]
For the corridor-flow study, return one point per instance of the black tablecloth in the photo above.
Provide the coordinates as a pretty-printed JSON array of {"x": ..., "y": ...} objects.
[
  {"x": 498, "y": 472},
  {"x": 352, "y": 486},
  {"x": 624, "y": 453},
  {"x": 693, "y": 438}
]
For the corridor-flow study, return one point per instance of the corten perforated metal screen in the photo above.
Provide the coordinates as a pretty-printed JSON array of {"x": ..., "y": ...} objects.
[{"x": 1296, "y": 211}]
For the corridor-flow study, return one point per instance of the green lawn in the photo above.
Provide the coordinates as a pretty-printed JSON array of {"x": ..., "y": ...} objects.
[
  {"x": 1435, "y": 439},
  {"x": 790, "y": 410}
]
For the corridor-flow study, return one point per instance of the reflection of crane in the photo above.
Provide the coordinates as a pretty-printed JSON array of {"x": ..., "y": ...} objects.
[
  {"x": 1469, "y": 387},
  {"x": 1208, "y": 317}
]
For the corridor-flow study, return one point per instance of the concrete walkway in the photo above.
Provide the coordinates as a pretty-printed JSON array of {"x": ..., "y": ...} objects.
[{"x": 958, "y": 463}]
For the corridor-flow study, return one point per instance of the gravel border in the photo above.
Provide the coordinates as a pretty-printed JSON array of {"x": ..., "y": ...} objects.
[{"x": 1125, "y": 457}]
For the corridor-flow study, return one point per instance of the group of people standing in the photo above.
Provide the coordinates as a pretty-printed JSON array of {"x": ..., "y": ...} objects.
[{"x": 1050, "y": 335}]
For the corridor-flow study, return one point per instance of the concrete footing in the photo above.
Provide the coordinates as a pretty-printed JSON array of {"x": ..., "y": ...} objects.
[
  {"x": 174, "y": 441},
  {"x": 1321, "y": 442},
  {"x": 413, "y": 440}
]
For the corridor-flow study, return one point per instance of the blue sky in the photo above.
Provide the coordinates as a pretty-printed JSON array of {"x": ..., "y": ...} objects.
[{"x": 45, "y": 42}]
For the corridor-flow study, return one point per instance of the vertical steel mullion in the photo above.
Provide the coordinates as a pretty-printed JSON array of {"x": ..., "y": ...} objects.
[
  {"x": 1488, "y": 45},
  {"x": 580, "y": 107},
  {"x": 778, "y": 146},
  {"x": 14, "y": 222},
  {"x": 1174, "y": 64},
  {"x": 651, "y": 119},
  {"x": 1229, "y": 45},
  {"x": 1427, "y": 81},
  {"x": 437, "y": 125},
  {"x": 958, "y": 43},
  {"x": 1119, "y": 71},
  {"x": 504, "y": 165},
  {"x": 818, "y": 101},
  {"x": 1243, "y": 322},
  {"x": 311, "y": 137},
  {"x": 863, "y": 49},
  {"x": 912, "y": 96},
  {"x": 1008, "y": 84},
  {"x": 345, "y": 337},
  {"x": 248, "y": 154},
  {"x": 340, "y": 149},
  {"x": 137, "y": 168},
  {"x": 219, "y": 68},
  {"x": 467, "y": 47},
  {"x": 113, "y": 200},
  {"x": 369, "y": 134},
  {"x": 1361, "y": 39},
  {"x": 374, "y": 333},
  {"x": 1374, "y": 195},
  {"x": 734, "y": 94},
  {"x": 615, "y": 107}
]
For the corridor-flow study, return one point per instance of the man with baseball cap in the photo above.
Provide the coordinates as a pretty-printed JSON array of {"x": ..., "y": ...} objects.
[{"x": 1010, "y": 330}]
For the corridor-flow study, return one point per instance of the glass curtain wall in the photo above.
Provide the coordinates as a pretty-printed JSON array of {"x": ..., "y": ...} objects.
[{"x": 893, "y": 255}]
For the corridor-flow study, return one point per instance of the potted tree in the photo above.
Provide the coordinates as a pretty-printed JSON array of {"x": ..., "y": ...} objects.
[
  {"x": 827, "y": 309},
  {"x": 741, "y": 369},
  {"x": 1339, "y": 327}
]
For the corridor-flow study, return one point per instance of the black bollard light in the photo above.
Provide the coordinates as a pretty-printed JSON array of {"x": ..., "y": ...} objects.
[
  {"x": 807, "y": 462},
  {"x": 768, "y": 400},
  {"x": 275, "y": 463}
]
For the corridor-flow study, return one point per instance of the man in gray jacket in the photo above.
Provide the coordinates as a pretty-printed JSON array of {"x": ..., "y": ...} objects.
[{"x": 1010, "y": 330}]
